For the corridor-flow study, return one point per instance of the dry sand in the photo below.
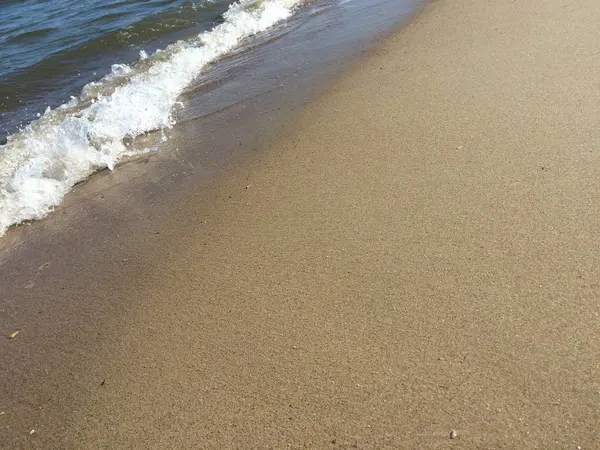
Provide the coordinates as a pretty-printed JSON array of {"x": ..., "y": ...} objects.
[{"x": 417, "y": 253}]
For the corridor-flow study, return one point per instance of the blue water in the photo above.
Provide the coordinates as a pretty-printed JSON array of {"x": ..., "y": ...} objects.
[{"x": 51, "y": 49}]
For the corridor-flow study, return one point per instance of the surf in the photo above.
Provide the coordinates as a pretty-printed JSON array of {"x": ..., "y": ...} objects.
[{"x": 42, "y": 162}]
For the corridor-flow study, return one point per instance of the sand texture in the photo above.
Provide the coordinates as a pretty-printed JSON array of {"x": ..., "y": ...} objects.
[{"x": 418, "y": 252}]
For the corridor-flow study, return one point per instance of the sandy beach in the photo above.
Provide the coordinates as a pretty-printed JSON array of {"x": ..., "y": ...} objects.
[{"x": 412, "y": 262}]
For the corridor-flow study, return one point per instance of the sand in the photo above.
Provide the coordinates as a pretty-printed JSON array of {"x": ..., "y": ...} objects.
[{"x": 412, "y": 263}]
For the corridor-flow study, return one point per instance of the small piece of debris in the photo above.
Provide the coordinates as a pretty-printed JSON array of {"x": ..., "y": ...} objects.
[
  {"x": 102, "y": 383},
  {"x": 14, "y": 335},
  {"x": 247, "y": 187},
  {"x": 460, "y": 147},
  {"x": 453, "y": 434},
  {"x": 31, "y": 432},
  {"x": 2, "y": 413},
  {"x": 44, "y": 266}
]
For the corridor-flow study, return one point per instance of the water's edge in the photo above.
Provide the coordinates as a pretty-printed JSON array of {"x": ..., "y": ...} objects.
[
  {"x": 41, "y": 163},
  {"x": 215, "y": 126}
]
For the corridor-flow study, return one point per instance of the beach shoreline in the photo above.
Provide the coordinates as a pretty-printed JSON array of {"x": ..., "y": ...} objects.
[{"x": 410, "y": 263}]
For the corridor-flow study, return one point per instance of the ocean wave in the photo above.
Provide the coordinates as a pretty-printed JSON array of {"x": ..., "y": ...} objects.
[{"x": 41, "y": 163}]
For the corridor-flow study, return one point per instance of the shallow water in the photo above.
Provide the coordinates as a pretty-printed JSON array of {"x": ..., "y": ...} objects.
[
  {"x": 173, "y": 75},
  {"x": 40, "y": 163}
]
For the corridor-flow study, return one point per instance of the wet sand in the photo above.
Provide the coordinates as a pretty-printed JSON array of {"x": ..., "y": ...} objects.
[{"x": 415, "y": 253}]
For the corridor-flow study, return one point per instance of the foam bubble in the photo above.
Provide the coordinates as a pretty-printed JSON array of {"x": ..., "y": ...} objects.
[{"x": 41, "y": 163}]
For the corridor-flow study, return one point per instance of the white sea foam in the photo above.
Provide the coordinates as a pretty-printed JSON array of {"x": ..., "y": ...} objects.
[{"x": 41, "y": 163}]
